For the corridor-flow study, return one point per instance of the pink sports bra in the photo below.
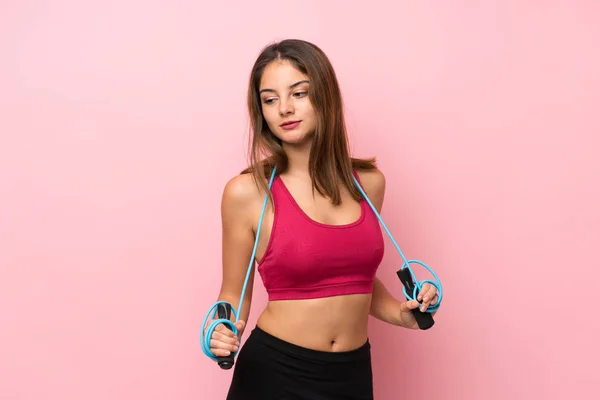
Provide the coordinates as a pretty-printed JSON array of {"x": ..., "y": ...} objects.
[{"x": 306, "y": 259}]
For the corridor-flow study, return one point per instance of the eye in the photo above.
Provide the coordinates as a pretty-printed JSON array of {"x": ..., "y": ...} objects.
[
  {"x": 300, "y": 94},
  {"x": 269, "y": 100}
]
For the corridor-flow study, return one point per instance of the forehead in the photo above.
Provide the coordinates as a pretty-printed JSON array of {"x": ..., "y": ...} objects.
[{"x": 280, "y": 74}]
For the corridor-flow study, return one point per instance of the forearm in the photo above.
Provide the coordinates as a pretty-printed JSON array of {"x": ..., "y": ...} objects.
[
  {"x": 384, "y": 306},
  {"x": 234, "y": 300},
  {"x": 231, "y": 294}
]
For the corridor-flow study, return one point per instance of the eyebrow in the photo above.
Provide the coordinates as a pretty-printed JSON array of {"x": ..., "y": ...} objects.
[{"x": 291, "y": 86}]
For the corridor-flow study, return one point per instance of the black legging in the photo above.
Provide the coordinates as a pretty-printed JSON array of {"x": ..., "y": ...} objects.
[{"x": 268, "y": 368}]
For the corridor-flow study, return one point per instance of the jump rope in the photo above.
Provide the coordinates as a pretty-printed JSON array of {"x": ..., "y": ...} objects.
[{"x": 411, "y": 288}]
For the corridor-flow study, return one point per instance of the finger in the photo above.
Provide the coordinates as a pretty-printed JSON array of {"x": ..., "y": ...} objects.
[
  {"x": 421, "y": 292},
  {"x": 218, "y": 345},
  {"x": 221, "y": 332},
  {"x": 434, "y": 300},
  {"x": 424, "y": 290},
  {"x": 427, "y": 292},
  {"x": 225, "y": 339},
  {"x": 221, "y": 328},
  {"x": 220, "y": 352},
  {"x": 428, "y": 297},
  {"x": 430, "y": 294}
]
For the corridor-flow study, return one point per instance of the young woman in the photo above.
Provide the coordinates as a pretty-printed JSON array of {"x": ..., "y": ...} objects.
[{"x": 320, "y": 243}]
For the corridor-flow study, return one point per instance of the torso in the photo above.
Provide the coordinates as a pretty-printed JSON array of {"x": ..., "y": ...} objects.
[
  {"x": 328, "y": 324},
  {"x": 337, "y": 323}
]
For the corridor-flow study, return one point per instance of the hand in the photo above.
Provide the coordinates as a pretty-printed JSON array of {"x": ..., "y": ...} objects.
[
  {"x": 223, "y": 341},
  {"x": 427, "y": 295}
]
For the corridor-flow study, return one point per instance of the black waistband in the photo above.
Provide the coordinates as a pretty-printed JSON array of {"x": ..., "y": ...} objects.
[{"x": 361, "y": 353}]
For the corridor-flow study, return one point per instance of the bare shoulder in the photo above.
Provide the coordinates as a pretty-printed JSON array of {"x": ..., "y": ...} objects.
[
  {"x": 239, "y": 195},
  {"x": 240, "y": 191},
  {"x": 240, "y": 188},
  {"x": 373, "y": 183}
]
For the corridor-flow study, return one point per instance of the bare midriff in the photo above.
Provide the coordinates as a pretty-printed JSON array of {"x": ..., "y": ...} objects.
[{"x": 333, "y": 324}]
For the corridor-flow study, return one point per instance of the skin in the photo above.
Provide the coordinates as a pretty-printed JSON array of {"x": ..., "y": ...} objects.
[{"x": 332, "y": 324}]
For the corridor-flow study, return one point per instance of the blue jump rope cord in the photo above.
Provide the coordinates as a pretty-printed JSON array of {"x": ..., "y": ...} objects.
[
  {"x": 418, "y": 284},
  {"x": 206, "y": 335}
]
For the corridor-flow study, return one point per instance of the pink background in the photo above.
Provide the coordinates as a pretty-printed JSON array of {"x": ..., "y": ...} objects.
[{"x": 120, "y": 122}]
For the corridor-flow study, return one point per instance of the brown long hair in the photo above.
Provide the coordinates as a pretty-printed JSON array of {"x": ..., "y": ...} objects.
[{"x": 330, "y": 163}]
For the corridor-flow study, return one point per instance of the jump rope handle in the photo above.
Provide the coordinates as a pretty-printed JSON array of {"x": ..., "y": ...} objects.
[
  {"x": 224, "y": 312},
  {"x": 424, "y": 319}
]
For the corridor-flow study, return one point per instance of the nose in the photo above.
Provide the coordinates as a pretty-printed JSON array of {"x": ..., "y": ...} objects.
[{"x": 286, "y": 107}]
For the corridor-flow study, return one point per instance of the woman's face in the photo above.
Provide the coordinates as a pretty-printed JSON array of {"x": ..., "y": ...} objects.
[{"x": 285, "y": 103}]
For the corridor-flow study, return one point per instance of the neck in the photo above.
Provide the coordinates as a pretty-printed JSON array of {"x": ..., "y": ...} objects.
[{"x": 298, "y": 156}]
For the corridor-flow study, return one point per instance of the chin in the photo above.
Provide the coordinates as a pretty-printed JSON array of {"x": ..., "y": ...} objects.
[
  {"x": 294, "y": 135},
  {"x": 294, "y": 138}
]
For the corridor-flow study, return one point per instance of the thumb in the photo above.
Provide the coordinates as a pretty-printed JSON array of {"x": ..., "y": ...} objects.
[
  {"x": 410, "y": 305},
  {"x": 240, "y": 325}
]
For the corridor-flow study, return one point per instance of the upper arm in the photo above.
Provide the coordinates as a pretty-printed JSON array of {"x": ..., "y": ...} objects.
[
  {"x": 237, "y": 235},
  {"x": 373, "y": 183}
]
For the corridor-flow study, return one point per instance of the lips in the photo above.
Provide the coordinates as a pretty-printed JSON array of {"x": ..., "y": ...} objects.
[{"x": 290, "y": 124}]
